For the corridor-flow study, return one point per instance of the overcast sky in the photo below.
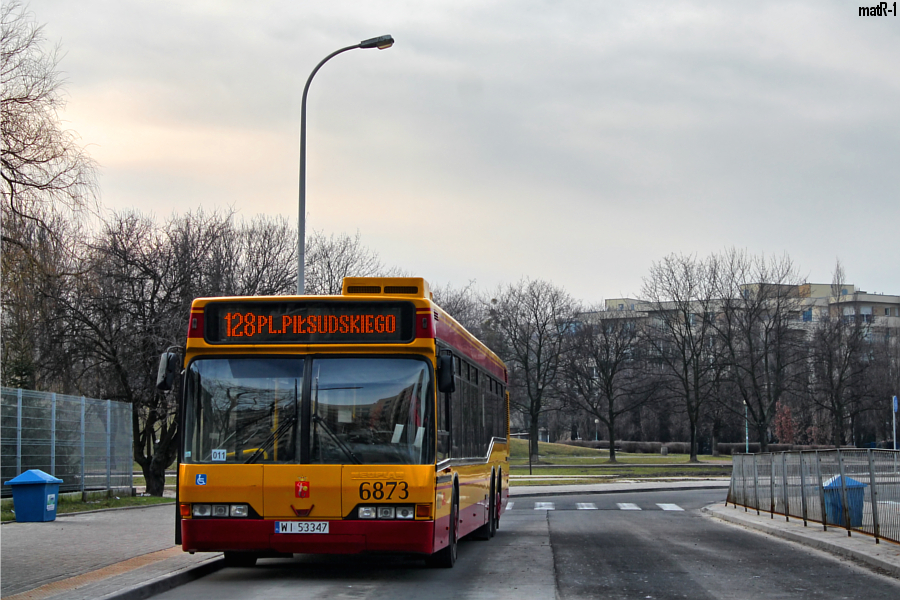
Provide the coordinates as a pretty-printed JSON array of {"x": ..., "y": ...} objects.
[{"x": 572, "y": 141}]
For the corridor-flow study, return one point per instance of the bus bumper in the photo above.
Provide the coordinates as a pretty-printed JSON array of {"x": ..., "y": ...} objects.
[{"x": 344, "y": 537}]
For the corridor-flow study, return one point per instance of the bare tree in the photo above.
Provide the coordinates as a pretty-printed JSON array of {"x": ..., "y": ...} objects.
[
  {"x": 760, "y": 338},
  {"x": 463, "y": 304},
  {"x": 132, "y": 303},
  {"x": 331, "y": 258},
  {"x": 35, "y": 354},
  {"x": 258, "y": 257},
  {"x": 44, "y": 168},
  {"x": 681, "y": 292},
  {"x": 48, "y": 184},
  {"x": 840, "y": 361},
  {"x": 531, "y": 320},
  {"x": 605, "y": 372}
]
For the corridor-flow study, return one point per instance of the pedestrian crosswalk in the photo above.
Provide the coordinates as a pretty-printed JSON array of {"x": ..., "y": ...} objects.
[{"x": 544, "y": 506}]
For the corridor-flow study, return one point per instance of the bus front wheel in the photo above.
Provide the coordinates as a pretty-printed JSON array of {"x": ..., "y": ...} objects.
[{"x": 446, "y": 557}]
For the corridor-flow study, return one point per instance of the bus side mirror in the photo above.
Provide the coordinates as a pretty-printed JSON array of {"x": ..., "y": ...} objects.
[
  {"x": 446, "y": 382},
  {"x": 168, "y": 367}
]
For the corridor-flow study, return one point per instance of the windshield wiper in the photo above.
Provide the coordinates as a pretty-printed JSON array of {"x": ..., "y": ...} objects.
[
  {"x": 340, "y": 444},
  {"x": 288, "y": 423}
]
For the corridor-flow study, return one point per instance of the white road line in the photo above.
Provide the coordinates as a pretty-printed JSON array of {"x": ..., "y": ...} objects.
[
  {"x": 670, "y": 507},
  {"x": 509, "y": 505},
  {"x": 544, "y": 506},
  {"x": 587, "y": 506},
  {"x": 628, "y": 506}
]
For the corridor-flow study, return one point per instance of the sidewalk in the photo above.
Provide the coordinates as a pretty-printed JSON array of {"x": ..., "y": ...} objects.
[
  {"x": 120, "y": 554},
  {"x": 884, "y": 556}
]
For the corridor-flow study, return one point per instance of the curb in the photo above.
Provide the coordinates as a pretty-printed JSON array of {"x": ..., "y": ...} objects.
[
  {"x": 60, "y": 515},
  {"x": 890, "y": 568},
  {"x": 102, "y": 510},
  {"x": 164, "y": 583},
  {"x": 550, "y": 491}
]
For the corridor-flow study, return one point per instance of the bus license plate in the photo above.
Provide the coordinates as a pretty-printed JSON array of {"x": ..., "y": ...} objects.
[{"x": 301, "y": 526}]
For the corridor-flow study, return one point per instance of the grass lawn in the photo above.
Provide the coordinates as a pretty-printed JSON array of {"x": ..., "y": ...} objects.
[
  {"x": 563, "y": 454},
  {"x": 71, "y": 506},
  {"x": 518, "y": 483},
  {"x": 139, "y": 480}
]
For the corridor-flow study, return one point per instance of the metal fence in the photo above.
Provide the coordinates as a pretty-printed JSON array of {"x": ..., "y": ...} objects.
[
  {"x": 85, "y": 442},
  {"x": 858, "y": 490}
]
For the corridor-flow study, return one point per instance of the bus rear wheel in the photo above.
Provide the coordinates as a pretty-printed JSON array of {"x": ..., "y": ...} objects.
[
  {"x": 487, "y": 531},
  {"x": 498, "y": 501},
  {"x": 240, "y": 559},
  {"x": 446, "y": 557},
  {"x": 492, "y": 512}
]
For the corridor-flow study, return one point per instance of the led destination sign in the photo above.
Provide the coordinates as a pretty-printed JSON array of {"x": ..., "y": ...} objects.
[{"x": 309, "y": 322}]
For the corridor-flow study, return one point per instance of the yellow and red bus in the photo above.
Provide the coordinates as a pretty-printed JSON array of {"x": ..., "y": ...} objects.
[{"x": 366, "y": 422}]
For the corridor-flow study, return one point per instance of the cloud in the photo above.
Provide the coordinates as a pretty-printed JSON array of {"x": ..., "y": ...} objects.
[{"x": 571, "y": 141}]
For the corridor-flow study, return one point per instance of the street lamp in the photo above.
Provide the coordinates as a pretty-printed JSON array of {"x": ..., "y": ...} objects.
[
  {"x": 381, "y": 42},
  {"x": 596, "y": 429}
]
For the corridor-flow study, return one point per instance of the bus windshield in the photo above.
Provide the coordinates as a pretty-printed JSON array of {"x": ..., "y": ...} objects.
[
  {"x": 361, "y": 411},
  {"x": 241, "y": 410},
  {"x": 371, "y": 411}
]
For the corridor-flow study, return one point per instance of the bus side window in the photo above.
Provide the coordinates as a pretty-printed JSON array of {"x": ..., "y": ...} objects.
[
  {"x": 456, "y": 415},
  {"x": 443, "y": 434}
]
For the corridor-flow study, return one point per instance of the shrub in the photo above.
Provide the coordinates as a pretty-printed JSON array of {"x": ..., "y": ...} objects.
[{"x": 678, "y": 447}]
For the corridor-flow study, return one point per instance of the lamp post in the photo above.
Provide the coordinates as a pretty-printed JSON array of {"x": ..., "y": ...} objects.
[
  {"x": 381, "y": 42},
  {"x": 596, "y": 430},
  {"x": 746, "y": 430},
  {"x": 895, "y": 407}
]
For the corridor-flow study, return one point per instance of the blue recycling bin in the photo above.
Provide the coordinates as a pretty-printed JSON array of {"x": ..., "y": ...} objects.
[
  {"x": 834, "y": 502},
  {"x": 35, "y": 496}
]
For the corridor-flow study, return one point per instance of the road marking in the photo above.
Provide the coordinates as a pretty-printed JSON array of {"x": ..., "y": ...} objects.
[
  {"x": 509, "y": 505},
  {"x": 587, "y": 506},
  {"x": 628, "y": 506},
  {"x": 670, "y": 507},
  {"x": 544, "y": 506}
]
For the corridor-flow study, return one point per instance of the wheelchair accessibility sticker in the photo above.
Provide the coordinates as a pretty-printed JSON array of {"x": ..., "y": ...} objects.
[{"x": 201, "y": 479}]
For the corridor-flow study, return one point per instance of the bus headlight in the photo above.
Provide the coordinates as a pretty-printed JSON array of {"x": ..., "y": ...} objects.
[
  {"x": 220, "y": 511},
  {"x": 390, "y": 511}
]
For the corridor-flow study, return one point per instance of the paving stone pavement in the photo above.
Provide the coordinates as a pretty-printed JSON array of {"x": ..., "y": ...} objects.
[{"x": 46, "y": 556}]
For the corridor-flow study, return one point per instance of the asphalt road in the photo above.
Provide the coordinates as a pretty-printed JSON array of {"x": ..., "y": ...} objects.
[{"x": 597, "y": 546}]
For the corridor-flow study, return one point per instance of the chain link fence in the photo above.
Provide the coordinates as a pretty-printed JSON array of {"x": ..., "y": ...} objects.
[
  {"x": 858, "y": 490},
  {"x": 83, "y": 441}
]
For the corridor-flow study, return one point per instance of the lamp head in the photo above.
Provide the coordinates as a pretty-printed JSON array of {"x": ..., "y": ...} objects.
[{"x": 381, "y": 42}]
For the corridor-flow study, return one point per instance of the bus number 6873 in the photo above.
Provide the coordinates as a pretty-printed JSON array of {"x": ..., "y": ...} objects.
[{"x": 383, "y": 490}]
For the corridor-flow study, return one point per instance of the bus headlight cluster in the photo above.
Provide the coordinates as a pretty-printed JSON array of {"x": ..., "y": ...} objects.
[
  {"x": 387, "y": 512},
  {"x": 220, "y": 510}
]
